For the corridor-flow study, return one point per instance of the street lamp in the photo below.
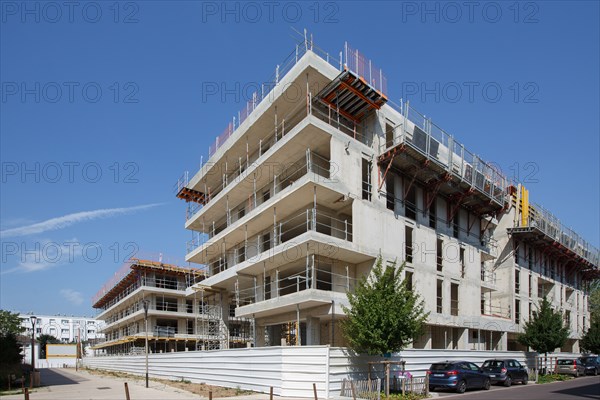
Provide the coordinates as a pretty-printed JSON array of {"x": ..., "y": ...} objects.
[
  {"x": 146, "y": 304},
  {"x": 33, "y": 319}
]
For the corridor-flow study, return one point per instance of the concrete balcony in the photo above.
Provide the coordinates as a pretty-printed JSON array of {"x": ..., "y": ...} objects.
[
  {"x": 296, "y": 197},
  {"x": 302, "y": 300},
  {"x": 264, "y": 186},
  {"x": 266, "y": 120}
]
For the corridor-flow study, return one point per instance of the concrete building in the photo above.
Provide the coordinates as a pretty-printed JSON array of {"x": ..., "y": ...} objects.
[
  {"x": 65, "y": 328},
  {"x": 320, "y": 174},
  {"x": 176, "y": 322}
]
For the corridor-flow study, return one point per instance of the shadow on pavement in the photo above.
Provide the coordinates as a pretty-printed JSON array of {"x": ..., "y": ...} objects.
[
  {"x": 56, "y": 377},
  {"x": 585, "y": 392}
]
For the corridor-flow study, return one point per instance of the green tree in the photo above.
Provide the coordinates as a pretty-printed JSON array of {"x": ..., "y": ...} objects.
[
  {"x": 43, "y": 340},
  {"x": 10, "y": 348},
  {"x": 594, "y": 299},
  {"x": 591, "y": 339},
  {"x": 545, "y": 331},
  {"x": 10, "y": 323},
  {"x": 384, "y": 315}
]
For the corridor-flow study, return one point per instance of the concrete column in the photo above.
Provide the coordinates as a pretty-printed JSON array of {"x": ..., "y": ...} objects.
[
  {"x": 463, "y": 339},
  {"x": 260, "y": 335},
  {"x": 503, "y": 342},
  {"x": 313, "y": 333}
]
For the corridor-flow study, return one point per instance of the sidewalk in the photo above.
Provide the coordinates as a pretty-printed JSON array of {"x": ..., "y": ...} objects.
[{"x": 63, "y": 384}]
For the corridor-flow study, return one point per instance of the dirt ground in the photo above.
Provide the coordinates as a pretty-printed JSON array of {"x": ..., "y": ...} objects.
[{"x": 196, "y": 388}]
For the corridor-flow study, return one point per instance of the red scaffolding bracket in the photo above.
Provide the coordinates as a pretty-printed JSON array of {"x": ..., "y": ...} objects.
[
  {"x": 405, "y": 192},
  {"x": 434, "y": 188},
  {"x": 389, "y": 155},
  {"x": 460, "y": 198}
]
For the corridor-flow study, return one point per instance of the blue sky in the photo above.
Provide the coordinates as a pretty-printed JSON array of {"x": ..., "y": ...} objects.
[{"x": 102, "y": 109}]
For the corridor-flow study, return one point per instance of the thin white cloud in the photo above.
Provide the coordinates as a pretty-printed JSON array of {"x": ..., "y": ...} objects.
[
  {"x": 71, "y": 219},
  {"x": 72, "y": 296},
  {"x": 44, "y": 254}
]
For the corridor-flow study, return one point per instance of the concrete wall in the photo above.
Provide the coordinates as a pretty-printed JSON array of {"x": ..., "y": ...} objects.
[{"x": 291, "y": 371}]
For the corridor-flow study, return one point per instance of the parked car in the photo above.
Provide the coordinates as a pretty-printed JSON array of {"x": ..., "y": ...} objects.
[
  {"x": 457, "y": 375},
  {"x": 570, "y": 366},
  {"x": 591, "y": 364},
  {"x": 505, "y": 371}
]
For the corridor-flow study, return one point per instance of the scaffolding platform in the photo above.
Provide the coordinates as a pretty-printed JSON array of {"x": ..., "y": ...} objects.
[
  {"x": 464, "y": 186},
  {"x": 352, "y": 96}
]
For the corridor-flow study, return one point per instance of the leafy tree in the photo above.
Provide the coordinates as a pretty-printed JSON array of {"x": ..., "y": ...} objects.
[
  {"x": 594, "y": 299},
  {"x": 10, "y": 323},
  {"x": 591, "y": 339},
  {"x": 10, "y": 348},
  {"x": 43, "y": 340},
  {"x": 545, "y": 331},
  {"x": 384, "y": 315}
]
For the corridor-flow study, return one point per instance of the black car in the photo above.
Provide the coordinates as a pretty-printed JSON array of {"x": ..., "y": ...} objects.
[
  {"x": 591, "y": 364},
  {"x": 505, "y": 371},
  {"x": 457, "y": 375}
]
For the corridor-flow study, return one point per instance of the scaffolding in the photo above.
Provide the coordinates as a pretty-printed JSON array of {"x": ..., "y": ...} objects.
[
  {"x": 540, "y": 228},
  {"x": 420, "y": 151},
  {"x": 205, "y": 327}
]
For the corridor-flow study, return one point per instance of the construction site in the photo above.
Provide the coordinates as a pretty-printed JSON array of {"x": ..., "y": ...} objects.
[
  {"x": 316, "y": 178},
  {"x": 302, "y": 193}
]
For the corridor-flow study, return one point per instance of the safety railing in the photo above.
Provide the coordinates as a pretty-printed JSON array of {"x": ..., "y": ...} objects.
[
  {"x": 488, "y": 277},
  {"x": 164, "y": 331},
  {"x": 365, "y": 68},
  {"x": 437, "y": 145},
  {"x": 257, "y": 97},
  {"x": 236, "y": 171},
  {"x": 163, "y": 306},
  {"x": 281, "y": 232},
  {"x": 354, "y": 61},
  {"x": 148, "y": 282},
  {"x": 311, "y": 278},
  {"x": 331, "y": 116},
  {"x": 493, "y": 310},
  {"x": 546, "y": 222},
  {"x": 116, "y": 278},
  {"x": 311, "y": 163}
]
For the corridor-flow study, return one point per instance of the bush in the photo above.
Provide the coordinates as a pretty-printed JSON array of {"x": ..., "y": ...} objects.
[{"x": 553, "y": 378}]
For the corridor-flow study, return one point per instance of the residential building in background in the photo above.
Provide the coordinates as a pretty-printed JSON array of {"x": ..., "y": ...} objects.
[
  {"x": 320, "y": 174},
  {"x": 67, "y": 329}
]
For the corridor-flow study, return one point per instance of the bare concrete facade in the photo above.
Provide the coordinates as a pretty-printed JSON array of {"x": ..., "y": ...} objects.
[{"x": 323, "y": 174}]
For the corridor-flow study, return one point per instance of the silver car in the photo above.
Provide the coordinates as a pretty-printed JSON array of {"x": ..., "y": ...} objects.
[{"x": 570, "y": 366}]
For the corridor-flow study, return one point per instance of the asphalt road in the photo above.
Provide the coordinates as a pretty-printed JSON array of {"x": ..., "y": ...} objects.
[{"x": 580, "y": 388}]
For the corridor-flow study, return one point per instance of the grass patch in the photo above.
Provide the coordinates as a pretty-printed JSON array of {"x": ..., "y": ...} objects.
[
  {"x": 553, "y": 378},
  {"x": 405, "y": 396}
]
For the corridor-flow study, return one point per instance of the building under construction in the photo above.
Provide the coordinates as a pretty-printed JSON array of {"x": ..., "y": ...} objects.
[
  {"x": 320, "y": 174},
  {"x": 178, "y": 319}
]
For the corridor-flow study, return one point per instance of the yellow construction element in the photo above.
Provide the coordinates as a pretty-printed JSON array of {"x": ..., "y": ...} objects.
[{"x": 524, "y": 206}]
